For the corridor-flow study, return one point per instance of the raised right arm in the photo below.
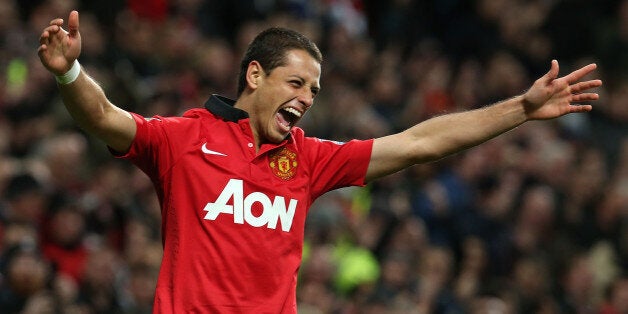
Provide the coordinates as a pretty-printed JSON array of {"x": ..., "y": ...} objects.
[{"x": 84, "y": 98}]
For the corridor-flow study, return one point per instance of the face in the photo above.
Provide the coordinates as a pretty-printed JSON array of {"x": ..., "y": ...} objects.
[{"x": 283, "y": 96}]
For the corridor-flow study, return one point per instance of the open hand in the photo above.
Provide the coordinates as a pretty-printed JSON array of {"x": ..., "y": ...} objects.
[
  {"x": 59, "y": 48},
  {"x": 551, "y": 97}
]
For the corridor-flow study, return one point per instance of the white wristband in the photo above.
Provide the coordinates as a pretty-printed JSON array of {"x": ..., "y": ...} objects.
[{"x": 71, "y": 75}]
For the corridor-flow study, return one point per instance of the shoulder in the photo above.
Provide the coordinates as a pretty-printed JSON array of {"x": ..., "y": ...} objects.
[
  {"x": 299, "y": 136},
  {"x": 197, "y": 113},
  {"x": 188, "y": 118},
  {"x": 188, "y": 125},
  {"x": 320, "y": 146}
]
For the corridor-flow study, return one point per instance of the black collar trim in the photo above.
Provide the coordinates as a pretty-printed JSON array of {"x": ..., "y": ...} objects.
[{"x": 224, "y": 107}]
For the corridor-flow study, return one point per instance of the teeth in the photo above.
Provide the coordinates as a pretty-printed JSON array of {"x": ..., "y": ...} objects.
[{"x": 293, "y": 111}]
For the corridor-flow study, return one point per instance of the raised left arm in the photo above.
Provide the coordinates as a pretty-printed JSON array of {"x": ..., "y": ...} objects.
[{"x": 549, "y": 97}]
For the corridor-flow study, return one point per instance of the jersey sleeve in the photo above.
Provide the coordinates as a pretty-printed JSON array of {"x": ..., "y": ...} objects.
[
  {"x": 157, "y": 143},
  {"x": 335, "y": 165}
]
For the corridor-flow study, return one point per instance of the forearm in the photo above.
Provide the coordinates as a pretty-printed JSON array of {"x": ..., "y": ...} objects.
[
  {"x": 442, "y": 136},
  {"x": 448, "y": 134},
  {"x": 85, "y": 101},
  {"x": 548, "y": 98},
  {"x": 88, "y": 105}
]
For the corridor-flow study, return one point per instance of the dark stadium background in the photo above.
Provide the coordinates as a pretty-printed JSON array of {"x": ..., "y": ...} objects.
[{"x": 535, "y": 221}]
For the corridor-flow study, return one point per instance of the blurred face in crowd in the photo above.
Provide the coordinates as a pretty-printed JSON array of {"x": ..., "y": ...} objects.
[
  {"x": 283, "y": 95},
  {"x": 27, "y": 274}
]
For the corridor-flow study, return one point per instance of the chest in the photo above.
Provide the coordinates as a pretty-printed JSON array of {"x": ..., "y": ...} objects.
[{"x": 226, "y": 179}]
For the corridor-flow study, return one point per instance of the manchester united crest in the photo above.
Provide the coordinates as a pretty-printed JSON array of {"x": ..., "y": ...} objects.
[{"x": 283, "y": 163}]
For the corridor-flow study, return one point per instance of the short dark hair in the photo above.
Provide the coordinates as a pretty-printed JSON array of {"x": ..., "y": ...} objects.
[{"x": 269, "y": 48}]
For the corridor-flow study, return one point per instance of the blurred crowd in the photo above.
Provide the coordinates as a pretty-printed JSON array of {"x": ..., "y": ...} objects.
[{"x": 534, "y": 221}]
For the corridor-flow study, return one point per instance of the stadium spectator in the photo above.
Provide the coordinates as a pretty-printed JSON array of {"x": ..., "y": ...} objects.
[{"x": 416, "y": 36}]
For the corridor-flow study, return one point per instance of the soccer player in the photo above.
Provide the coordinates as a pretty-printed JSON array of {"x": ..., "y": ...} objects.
[{"x": 235, "y": 179}]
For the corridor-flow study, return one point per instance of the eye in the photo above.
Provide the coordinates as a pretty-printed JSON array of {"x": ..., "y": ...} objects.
[
  {"x": 296, "y": 83},
  {"x": 314, "y": 92}
]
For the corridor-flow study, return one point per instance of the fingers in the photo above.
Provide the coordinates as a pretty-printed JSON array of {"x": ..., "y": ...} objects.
[
  {"x": 54, "y": 39},
  {"x": 58, "y": 22},
  {"x": 579, "y": 108},
  {"x": 585, "y": 97},
  {"x": 41, "y": 50},
  {"x": 580, "y": 73},
  {"x": 581, "y": 86},
  {"x": 73, "y": 23},
  {"x": 44, "y": 38}
]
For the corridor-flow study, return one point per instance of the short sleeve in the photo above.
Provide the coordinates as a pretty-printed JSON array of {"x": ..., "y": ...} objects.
[
  {"x": 335, "y": 165},
  {"x": 157, "y": 143}
]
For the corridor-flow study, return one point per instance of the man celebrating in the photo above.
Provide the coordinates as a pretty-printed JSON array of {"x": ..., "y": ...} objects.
[{"x": 235, "y": 179}]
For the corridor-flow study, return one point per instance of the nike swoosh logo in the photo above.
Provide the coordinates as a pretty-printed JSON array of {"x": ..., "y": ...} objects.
[{"x": 211, "y": 152}]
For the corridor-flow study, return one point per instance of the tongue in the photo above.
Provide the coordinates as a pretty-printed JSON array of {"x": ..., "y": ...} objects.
[{"x": 282, "y": 119}]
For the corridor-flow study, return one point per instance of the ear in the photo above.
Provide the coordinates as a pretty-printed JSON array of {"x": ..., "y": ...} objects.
[{"x": 254, "y": 74}]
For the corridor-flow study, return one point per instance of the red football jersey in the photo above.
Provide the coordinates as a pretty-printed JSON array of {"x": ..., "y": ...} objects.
[{"x": 233, "y": 219}]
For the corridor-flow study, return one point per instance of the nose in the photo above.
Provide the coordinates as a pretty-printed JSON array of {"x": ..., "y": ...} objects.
[{"x": 306, "y": 97}]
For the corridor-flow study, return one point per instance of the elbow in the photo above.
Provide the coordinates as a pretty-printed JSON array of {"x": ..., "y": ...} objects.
[
  {"x": 93, "y": 121},
  {"x": 424, "y": 152}
]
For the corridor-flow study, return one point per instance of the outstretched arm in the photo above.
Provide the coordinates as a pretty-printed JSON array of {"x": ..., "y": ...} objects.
[
  {"x": 549, "y": 97},
  {"x": 84, "y": 98}
]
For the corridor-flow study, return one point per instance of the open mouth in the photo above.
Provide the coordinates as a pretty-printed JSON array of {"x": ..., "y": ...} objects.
[{"x": 288, "y": 116}]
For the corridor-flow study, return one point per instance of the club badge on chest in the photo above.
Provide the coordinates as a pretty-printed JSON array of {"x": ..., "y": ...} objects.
[{"x": 283, "y": 163}]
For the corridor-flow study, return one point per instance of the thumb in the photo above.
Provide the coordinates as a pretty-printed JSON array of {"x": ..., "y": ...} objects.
[
  {"x": 73, "y": 23},
  {"x": 553, "y": 72}
]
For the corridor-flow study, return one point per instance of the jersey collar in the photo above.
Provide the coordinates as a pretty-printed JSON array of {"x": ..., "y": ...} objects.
[{"x": 224, "y": 107}]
